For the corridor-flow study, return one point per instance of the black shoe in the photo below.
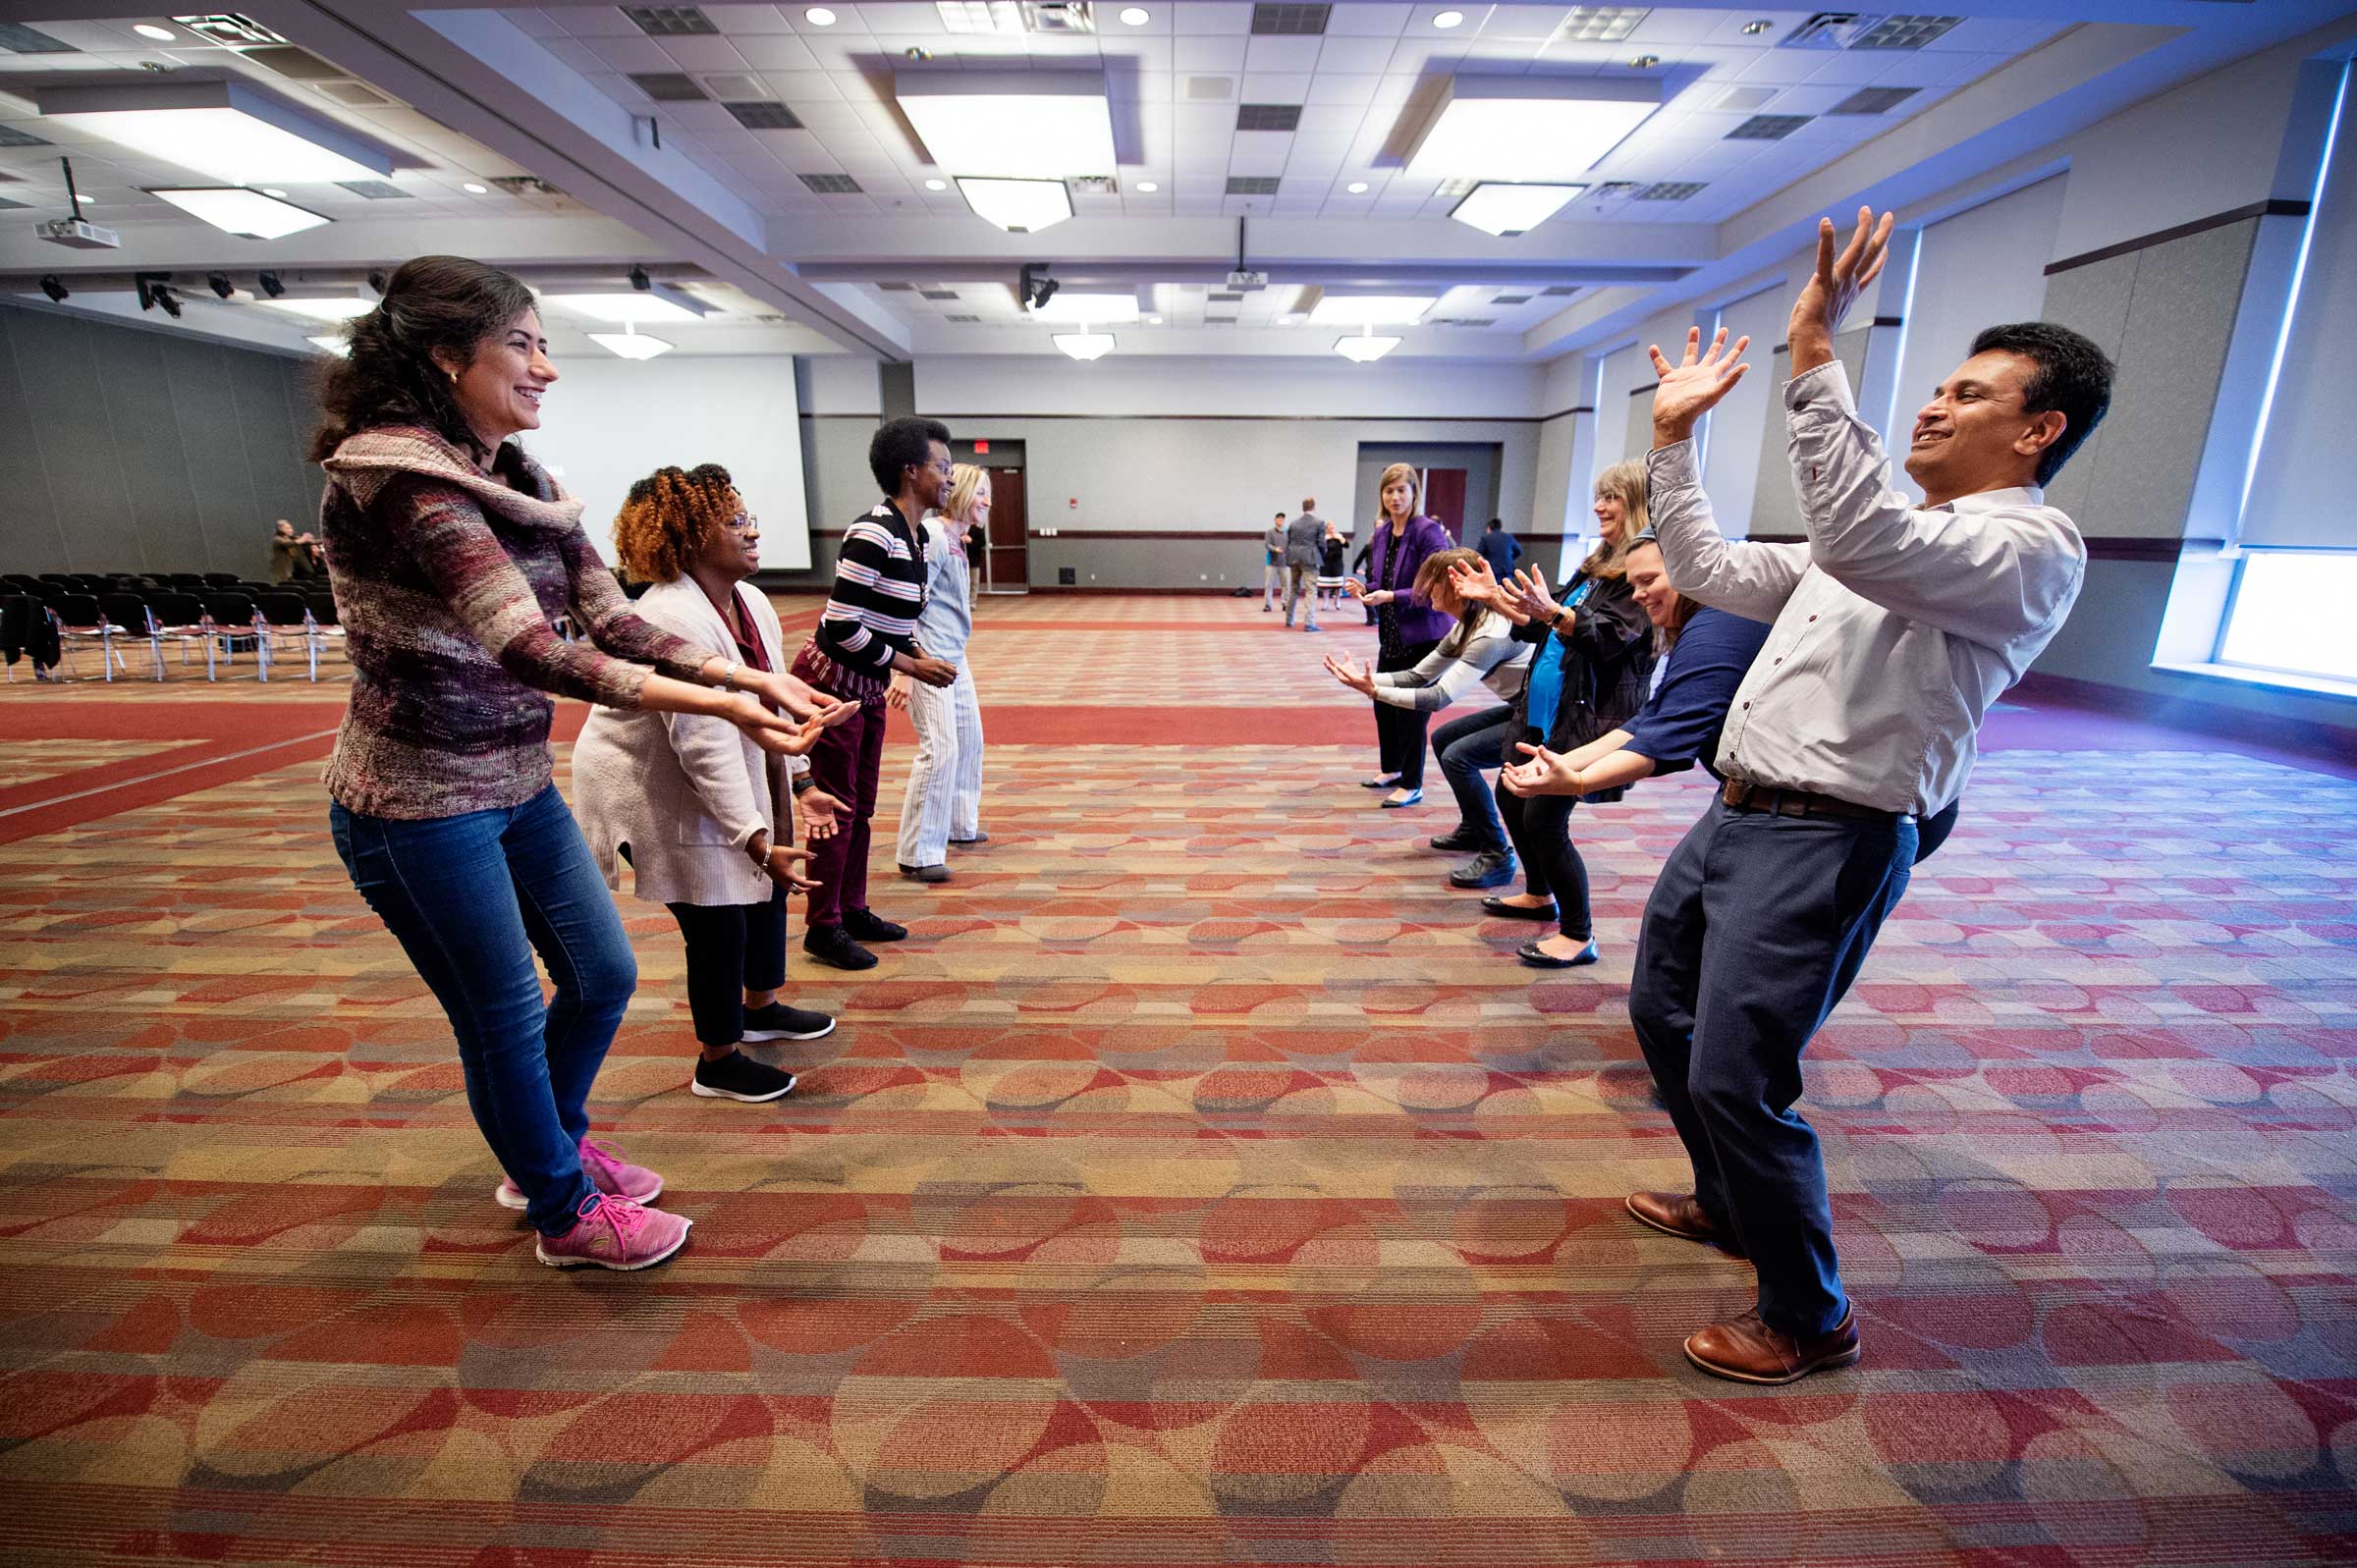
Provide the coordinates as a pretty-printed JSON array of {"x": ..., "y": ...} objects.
[
  {"x": 777, "y": 1021},
  {"x": 737, "y": 1076},
  {"x": 1382, "y": 781},
  {"x": 979, "y": 838},
  {"x": 1491, "y": 868},
  {"x": 1415, "y": 798},
  {"x": 932, "y": 873},
  {"x": 868, "y": 926},
  {"x": 1514, "y": 911},
  {"x": 1532, "y": 954},
  {"x": 832, "y": 946},
  {"x": 1462, "y": 839}
]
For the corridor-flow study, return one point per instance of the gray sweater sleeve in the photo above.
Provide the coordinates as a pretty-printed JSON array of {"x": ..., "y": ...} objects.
[{"x": 1439, "y": 680}]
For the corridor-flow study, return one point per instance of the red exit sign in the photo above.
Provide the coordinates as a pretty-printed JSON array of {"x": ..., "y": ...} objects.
[{"x": 982, "y": 448}]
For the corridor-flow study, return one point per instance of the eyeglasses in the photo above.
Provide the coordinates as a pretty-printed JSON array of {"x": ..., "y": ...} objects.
[{"x": 743, "y": 522}]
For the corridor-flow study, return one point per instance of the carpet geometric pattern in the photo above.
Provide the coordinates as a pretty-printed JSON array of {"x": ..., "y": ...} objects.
[{"x": 1204, "y": 1182}]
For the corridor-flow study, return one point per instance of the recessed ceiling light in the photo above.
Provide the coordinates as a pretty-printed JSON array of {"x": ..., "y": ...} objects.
[
  {"x": 1645, "y": 62},
  {"x": 474, "y": 189},
  {"x": 274, "y": 192},
  {"x": 333, "y": 307},
  {"x": 819, "y": 17},
  {"x": 1010, "y": 124},
  {"x": 1753, "y": 29},
  {"x": 639, "y": 305},
  {"x": 148, "y": 29},
  {"x": 630, "y": 344},
  {"x": 936, "y": 185},
  {"x": 1134, "y": 16},
  {"x": 225, "y": 130},
  {"x": 1020, "y": 206},
  {"x": 1530, "y": 130},
  {"x": 1504, "y": 209},
  {"x": 1085, "y": 346},
  {"x": 1365, "y": 348},
  {"x": 247, "y": 213},
  {"x": 1358, "y": 188},
  {"x": 1148, "y": 187},
  {"x": 1448, "y": 18},
  {"x": 1371, "y": 310}
]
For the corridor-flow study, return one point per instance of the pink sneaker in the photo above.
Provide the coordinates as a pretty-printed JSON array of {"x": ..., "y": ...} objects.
[
  {"x": 615, "y": 1233},
  {"x": 608, "y": 1173}
]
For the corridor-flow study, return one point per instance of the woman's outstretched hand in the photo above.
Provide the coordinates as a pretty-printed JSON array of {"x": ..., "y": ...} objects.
[
  {"x": 1473, "y": 581},
  {"x": 1545, "y": 772},
  {"x": 1350, "y": 676},
  {"x": 821, "y": 814},
  {"x": 779, "y": 734},
  {"x": 784, "y": 868},
  {"x": 1525, "y": 593}
]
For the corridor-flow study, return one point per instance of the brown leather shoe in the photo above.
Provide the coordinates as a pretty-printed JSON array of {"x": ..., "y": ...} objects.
[
  {"x": 1680, "y": 1215},
  {"x": 1747, "y": 1350}
]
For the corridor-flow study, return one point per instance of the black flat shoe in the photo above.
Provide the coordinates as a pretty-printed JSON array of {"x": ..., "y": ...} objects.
[
  {"x": 1462, "y": 840},
  {"x": 980, "y": 837},
  {"x": 832, "y": 946},
  {"x": 1490, "y": 869},
  {"x": 1383, "y": 781},
  {"x": 1415, "y": 798},
  {"x": 868, "y": 926},
  {"x": 1514, "y": 911},
  {"x": 1532, "y": 954}
]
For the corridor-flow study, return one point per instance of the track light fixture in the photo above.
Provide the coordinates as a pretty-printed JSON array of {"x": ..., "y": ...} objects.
[
  {"x": 219, "y": 283},
  {"x": 271, "y": 287},
  {"x": 640, "y": 280},
  {"x": 153, "y": 294},
  {"x": 1038, "y": 288},
  {"x": 55, "y": 288}
]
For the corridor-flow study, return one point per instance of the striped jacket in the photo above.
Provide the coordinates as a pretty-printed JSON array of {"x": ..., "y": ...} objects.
[{"x": 879, "y": 590}]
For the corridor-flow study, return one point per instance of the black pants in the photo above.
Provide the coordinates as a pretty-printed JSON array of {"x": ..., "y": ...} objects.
[
  {"x": 1399, "y": 731},
  {"x": 731, "y": 948},
  {"x": 1541, "y": 829}
]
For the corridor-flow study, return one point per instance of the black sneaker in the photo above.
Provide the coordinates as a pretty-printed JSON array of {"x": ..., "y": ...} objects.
[
  {"x": 777, "y": 1021},
  {"x": 933, "y": 873},
  {"x": 832, "y": 946},
  {"x": 1462, "y": 840},
  {"x": 868, "y": 926},
  {"x": 737, "y": 1076},
  {"x": 979, "y": 838},
  {"x": 1491, "y": 868}
]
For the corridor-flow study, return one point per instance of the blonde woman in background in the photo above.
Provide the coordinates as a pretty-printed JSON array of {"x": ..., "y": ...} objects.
[{"x": 943, "y": 803}]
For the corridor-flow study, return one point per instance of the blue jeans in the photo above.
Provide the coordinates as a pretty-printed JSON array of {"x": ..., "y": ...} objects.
[
  {"x": 470, "y": 899},
  {"x": 1756, "y": 927},
  {"x": 1469, "y": 746}
]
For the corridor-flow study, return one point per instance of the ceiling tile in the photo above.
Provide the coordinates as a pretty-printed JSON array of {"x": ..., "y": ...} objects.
[
  {"x": 1377, "y": 20},
  {"x": 1281, "y": 54},
  {"x": 775, "y": 51},
  {"x": 736, "y": 21},
  {"x": 704, "y": 54},
  {"x": 1209, "y": 53},
  {"x": 1199, "y": 17}
]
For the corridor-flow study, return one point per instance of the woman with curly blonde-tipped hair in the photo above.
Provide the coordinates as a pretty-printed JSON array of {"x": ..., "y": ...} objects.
[{"x": 699, "y": 816}]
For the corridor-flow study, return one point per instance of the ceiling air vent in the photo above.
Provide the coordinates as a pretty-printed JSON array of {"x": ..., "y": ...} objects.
[
  {"x": 1059, "y": 16},
  {"x": 1462, "y": 186},
  {"x": 524, "y": 185},
  {"x": 1289, "y": 22},
  {"x": 734, "y": 86},
  {"x": 1601, "y": 24},
  {"x": 937, "y": 293},
  {"x": 1560, "y": 291},
  {"x": 1615, "y": 191},
  {"x": 1093, "y": 184},
  {"x": 1874, "y": 100},
  {"x": 831, "y": 184},
  {"x": 1268, "y": 117},
  {"x": 353, "y": 94},
  {"x": 1251, "y": 184},
  {"x": 897, "y": 287},
  {"x": 1227, "y": 298},
  {"x": 763, "y": 116},
  {"x": 963, "y": 321},
  {"x": 375, "y": 190},
  {"x": 1210, "y": 89},
  {"x": 1510, "y": 299},
  {"x": 229, "y": 28},
  {"x": 1903, "y": 33},
  {"x": 670, "y": 21},
  {"x": 1768, "y": 127},
  {"x": 1671, "y": 191},
  {"x": 18, "y": 38},
  {"x": 668, "y": 86},
  {"x": 1828, "y": 29}
]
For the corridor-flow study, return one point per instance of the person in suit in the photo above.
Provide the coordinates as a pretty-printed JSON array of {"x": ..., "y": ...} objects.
[
  {"x": 1304, "y": 549},
  {"x": 698, "y": 812},
  {"x": 1499, "y": 549}
]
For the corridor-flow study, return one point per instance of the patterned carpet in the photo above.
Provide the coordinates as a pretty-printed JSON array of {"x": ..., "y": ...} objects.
[{"x": 1203, "y": 1184}]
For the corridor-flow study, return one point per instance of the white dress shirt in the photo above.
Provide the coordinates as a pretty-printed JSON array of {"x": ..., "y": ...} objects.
[{"x": 1895, "y": 626}]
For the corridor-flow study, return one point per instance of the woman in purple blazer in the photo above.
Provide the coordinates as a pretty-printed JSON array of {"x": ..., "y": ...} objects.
[{"x": 1406, "y": 627}]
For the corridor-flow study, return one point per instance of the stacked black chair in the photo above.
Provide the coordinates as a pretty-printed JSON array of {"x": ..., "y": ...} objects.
[
  {"x": 284, "y": 615},
  {"x": 82, "y": 621}
]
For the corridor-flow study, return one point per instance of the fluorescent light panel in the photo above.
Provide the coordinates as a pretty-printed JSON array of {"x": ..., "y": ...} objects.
[
  {"x": 243, "y": 212},
  {"x": 1024, "y": 206},
  {"x": 630, "y": 344},
  {"x": 222, "y": 130},
  {"x": 638, "y": 305},
  {"x": 1504, "y": 209},
  {"x": 1085, "y": 346},
  {"x": 1010, "y": 124},
  {"x": 1371, "y": 310},
  {"x": 1522, "y": 129},
  {"x": 1365, "y": 349},
  {"x": 1088, "y": 310}
]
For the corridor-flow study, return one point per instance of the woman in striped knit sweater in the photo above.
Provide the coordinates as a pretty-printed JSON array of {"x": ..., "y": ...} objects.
[{"x": 451, "y": 552}]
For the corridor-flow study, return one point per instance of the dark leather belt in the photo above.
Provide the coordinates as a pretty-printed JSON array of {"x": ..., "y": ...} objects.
[{"x": 1741, "y": 795}]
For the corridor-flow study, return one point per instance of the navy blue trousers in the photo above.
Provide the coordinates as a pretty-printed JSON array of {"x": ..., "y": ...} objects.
[{"x": 1756, "y": 928}]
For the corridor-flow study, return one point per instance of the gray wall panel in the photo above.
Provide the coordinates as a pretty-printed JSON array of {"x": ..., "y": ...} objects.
[
  {"x": 127, "y": 449},
  {"x": 2092, "y": 299},
  {"x": 29, "y": 538},
  {"x": 1774, "y": 507}
]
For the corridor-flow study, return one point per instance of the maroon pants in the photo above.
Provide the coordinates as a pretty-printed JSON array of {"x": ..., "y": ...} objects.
[{"x": 846, "y": 763}]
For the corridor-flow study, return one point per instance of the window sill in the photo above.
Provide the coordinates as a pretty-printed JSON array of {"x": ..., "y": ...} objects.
[{"x": 2271, "y": 680}]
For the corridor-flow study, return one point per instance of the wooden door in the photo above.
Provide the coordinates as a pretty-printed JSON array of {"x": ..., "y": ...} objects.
[
  {"x": 1009, "y": 567},
  {"x": 1444, "y": 499}
]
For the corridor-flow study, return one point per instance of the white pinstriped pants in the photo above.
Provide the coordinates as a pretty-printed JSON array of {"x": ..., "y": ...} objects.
[{"x": 945, "y": 782}]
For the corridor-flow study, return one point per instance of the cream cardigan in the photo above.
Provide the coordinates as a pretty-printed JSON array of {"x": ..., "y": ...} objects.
[{"x": 685, "y": 791}]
